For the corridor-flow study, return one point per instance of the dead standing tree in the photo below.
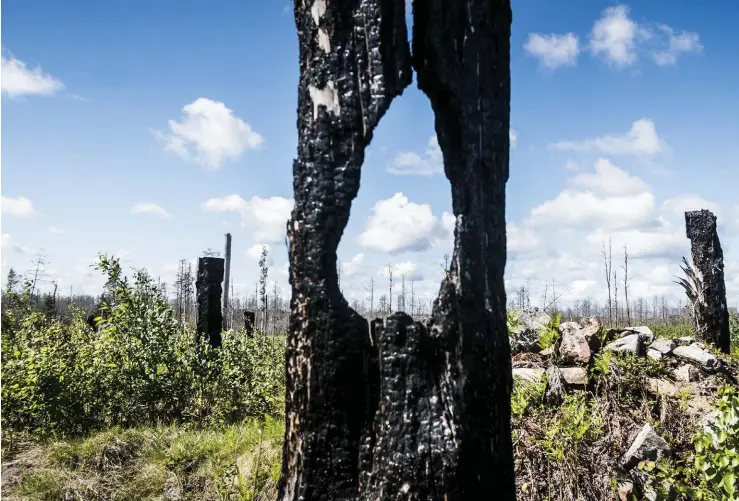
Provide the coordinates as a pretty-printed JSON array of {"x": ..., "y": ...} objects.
[
  {"x": 705, "y": 286},
  {"x": 443, "y": 429}
]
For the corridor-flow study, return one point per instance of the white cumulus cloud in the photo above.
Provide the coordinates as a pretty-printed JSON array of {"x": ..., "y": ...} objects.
[
  {"x": 9, "y": 245},
  {"x": 619, "y": 40},
  {"x": 615, "y": 35},
  {"x": 409, "y": 269},
  {"x": 609, "y": 180},
  {"x": 552, "y": 50},
  {"x": 677, "y": 43},
  {"x": 398, "y": 225},
  {"x": 20, "y": 207},
  {"x": 150, "y": 208},
  {"x": 20, "y": 80},
  {"x": 267, "y": 217},
  {"x": 640, "y": 140},
  {"x": 209, "y": 134},
  {"x": 353, "y": 266}
]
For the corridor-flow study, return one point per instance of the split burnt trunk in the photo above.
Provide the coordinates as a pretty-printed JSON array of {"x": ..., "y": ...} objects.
[
  {"x": 401, "y": 411},
  {"x": 710, "y": 309}
]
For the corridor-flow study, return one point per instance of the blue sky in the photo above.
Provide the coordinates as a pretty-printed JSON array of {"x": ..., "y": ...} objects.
[{"x": 149, "y": 129}]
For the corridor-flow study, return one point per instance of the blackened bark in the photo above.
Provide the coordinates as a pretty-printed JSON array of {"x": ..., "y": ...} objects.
[
  {"x": 354, "y": 59},
  {"x": 208, "y": 290},
  {"x": 249, "y": 321},
  {"x": 401, "y": 411},
  {"x": 445, "y": 412},
  {"x": 711, "y": 312}
]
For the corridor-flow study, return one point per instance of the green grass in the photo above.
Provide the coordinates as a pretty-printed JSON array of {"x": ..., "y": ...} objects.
[{"x": 238, "y": 462}]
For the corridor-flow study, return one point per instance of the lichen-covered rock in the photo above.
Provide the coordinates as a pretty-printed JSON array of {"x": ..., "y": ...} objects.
[
  {"x": 633, "y": 343},
  {"x": 530, "y": 326},
  {"x": 574, "y": 348},
  {"x": 664, "y": 346},
  {"x": 646, "y": 446},
  {"x": 574, "y": 376},
  {"x": 527, "y": 374},
  {"x": 685, "y": 341},
  {"x": 591, "y": 329},
  {"x": 697, "y": 355}
]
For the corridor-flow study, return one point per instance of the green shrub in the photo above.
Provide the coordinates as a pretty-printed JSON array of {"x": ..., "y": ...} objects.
[
  {"x": 551, "y": 336},
  {"x": 711, "y": 472},
  {"x": 140, "y": 368}
]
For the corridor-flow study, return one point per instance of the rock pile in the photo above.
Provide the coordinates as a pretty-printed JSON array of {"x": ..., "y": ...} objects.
[{"x": 565, "y": 367}]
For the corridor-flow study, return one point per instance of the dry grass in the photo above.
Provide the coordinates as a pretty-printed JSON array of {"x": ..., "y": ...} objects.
[{"x": 166, "y": 463}]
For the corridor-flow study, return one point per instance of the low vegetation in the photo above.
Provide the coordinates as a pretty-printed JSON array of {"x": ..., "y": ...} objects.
[{"x": 139, "y": 409}]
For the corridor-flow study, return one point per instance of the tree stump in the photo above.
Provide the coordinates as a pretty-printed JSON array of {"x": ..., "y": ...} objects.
[
  {"x": 249, "y": 322},
  {"x": 711, "y": 314},
  {"x": 208, "y": 290},
  {"x": 404, "y": 411}
]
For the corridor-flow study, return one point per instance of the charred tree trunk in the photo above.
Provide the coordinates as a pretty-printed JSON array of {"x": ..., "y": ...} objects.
[
  {"x": 208, "y": 290},
  {"x": 710, "y": 309},
  {"x": 401, "y": 411},
  {"x": 249, "y": 323}
]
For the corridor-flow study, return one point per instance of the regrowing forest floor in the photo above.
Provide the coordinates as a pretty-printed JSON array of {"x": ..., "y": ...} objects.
[{"x": 139, "y": 410}]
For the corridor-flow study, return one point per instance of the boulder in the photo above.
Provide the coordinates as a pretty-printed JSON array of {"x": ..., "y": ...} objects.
[
  {"x": 645, "y": 332},
  {"x": 686, "y": 373},
  {"x": 531, "y": 324},
  {"x": 697, "y": 355},
  {"x": 632, "y": 343},
  {"x": 574, "y": 376},
  {"x": 574, "y": 348},
  {"x": 555, "y": 386},
  {"x": 591, "y": 329},
  {"x": 684, "y": 341},
  {"x": 646, "y": 446},
  {"x": 664, "y": 346},
  {"x": 654, "y": 354},
  {"x": 531, "y": 375}
]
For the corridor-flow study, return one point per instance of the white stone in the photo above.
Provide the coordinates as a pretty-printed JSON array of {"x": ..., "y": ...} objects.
[{"x": 530, "y": 375}]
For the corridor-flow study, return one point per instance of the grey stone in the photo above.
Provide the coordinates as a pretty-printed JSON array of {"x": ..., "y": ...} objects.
[
  {"x": 697, "y": 355},
  {"x": 684, "y": 341},
  {"x": 528, "y": 374},
  {"x": 664, "y": 346},
  {"x": 532, "y": 323},
  {"x": 574, "y": 376},
  {"x": 632, "y": 343},
  {"x": 646, "y": 333},
  {"x": 654, "y": 354},
  {"x": 574, "y": 347},
  {"x": 646, "y": 446},
  {"x": 686, "y": 373}
]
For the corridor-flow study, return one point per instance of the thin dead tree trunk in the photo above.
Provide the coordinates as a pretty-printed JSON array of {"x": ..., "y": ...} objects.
[{"x": 443, "y": 429}]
